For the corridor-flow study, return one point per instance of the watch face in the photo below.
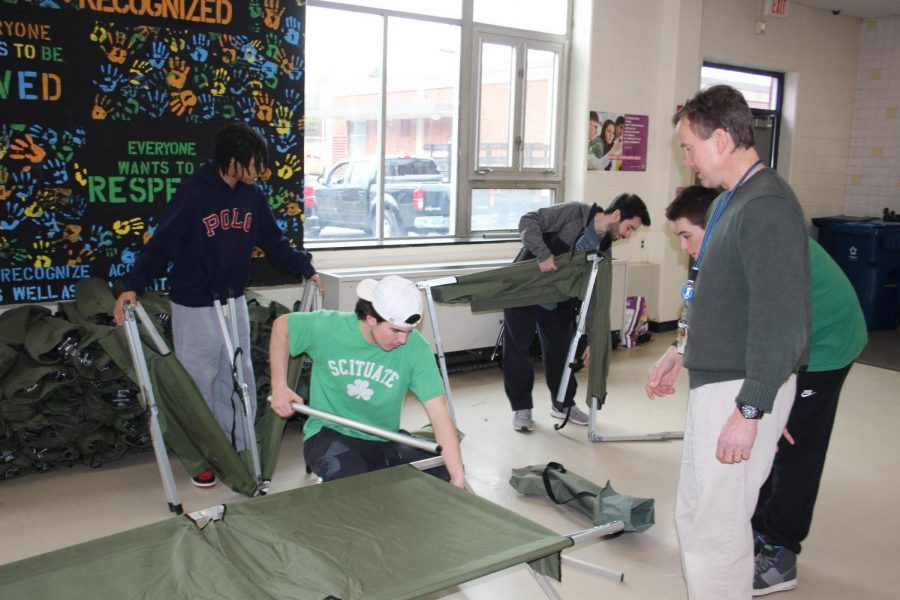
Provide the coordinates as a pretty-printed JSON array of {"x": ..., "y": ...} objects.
[{"x": 750, "y": 412}]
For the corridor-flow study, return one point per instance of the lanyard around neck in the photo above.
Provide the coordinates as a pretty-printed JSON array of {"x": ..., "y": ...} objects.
[{"x": 716, "y": 216}]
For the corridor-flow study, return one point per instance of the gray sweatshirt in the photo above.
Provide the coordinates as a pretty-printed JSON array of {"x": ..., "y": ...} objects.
[{"x": 750, "y": 315}]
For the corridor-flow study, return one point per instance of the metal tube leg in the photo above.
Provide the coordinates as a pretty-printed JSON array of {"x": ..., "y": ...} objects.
[
  {"x": 548, "y": 589},
  {"x": 237, "y": 361},
  {"x": 439, "y": 346},
  {"x": 579, "y": 331},
  {"x": 159, "y": 447}
]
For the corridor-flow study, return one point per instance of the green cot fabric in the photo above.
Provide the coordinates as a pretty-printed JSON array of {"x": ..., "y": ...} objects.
[
  {"x": 331, "y": 539},
  {"x": 602, "y": 504},
  {"x": 522, "y": 284},
  {"x": 188, "y": 427}
]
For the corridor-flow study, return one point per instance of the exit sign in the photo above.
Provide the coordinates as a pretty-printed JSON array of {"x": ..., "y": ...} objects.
[{"x": 775, "y": 8}]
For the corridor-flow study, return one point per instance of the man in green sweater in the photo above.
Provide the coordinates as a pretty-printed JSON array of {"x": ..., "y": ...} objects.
[
  {"x": 786, "y": 501},
  {"x": 744, "y": 334}
]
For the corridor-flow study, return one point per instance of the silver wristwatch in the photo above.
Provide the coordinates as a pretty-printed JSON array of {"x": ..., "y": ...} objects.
[{"x": 748, "y": 411}]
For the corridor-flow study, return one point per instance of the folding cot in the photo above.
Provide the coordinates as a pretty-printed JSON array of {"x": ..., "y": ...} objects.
[
  {"x": 392, "y": 534},
  {"x": 584, "y": 275}
]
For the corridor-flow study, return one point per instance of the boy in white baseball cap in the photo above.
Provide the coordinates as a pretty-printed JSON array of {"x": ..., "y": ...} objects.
[{"x": 362, "y": 366}]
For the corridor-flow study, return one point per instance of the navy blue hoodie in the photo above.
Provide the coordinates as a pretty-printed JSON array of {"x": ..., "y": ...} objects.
[{"x": 209, "y": 231}]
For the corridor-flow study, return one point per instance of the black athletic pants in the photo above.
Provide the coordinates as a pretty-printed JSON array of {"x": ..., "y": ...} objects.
[
  {"x": 555, "y": 329},
  {"x": 333, "y": 455},
  {"x": 784, "y": 510}
]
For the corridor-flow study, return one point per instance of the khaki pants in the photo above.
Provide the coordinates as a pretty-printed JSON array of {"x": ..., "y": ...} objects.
[{"x": 715, "y": 501}]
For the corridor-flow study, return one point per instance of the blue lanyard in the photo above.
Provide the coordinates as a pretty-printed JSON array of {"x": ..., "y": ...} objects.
[
  {"x": 687, "y": 291},
  {"x": 718, "y": 214}
]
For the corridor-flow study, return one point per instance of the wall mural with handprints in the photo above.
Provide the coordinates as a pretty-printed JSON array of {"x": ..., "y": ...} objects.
[{"x": 106, "y": 105}]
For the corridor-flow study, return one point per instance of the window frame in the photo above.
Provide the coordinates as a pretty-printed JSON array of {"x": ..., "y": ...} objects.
[
  {"x": 760, "y": 113},
  {"x": 465, "y": 155}
]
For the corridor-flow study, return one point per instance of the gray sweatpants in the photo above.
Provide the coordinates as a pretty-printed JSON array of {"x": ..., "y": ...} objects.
[{"x": 200, "y": 347}]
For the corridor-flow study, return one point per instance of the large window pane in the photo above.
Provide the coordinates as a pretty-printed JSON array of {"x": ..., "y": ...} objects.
[
  {"x": 540, "y": 113},
  {"x": 500, "y": 209},
  {"x": 496, "y": 96},
  {"x": 422, "y": 108},
  {"x": 548, "y": 16},
  {"x": 343, "y": 99},
  {"x": 451, "y": 9}
]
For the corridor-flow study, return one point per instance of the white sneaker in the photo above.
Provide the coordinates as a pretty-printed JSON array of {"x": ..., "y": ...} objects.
[
  {"x": 522, "y": 420},
  {"x": 576, "y": 415}
]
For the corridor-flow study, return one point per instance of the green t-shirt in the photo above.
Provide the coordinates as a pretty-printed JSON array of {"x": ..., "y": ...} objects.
[
  {"x": 838, "y": 324},
  {"x": 358, "y": 380}
]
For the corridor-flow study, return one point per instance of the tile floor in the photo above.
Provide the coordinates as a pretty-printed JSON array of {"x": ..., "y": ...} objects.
[{"x": 850, "y": 552}]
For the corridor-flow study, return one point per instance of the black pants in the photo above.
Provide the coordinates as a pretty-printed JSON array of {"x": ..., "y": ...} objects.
[
  {"x": 333, "y": 455},
  {"x": 784, "y": 510},
  {"x": 555, "y": 329}
]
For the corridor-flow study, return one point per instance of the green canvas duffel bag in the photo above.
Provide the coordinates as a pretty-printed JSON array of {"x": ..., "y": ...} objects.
[{"x": 601, "y": 504}]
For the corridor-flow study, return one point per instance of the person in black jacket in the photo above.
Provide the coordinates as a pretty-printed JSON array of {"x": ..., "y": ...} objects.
[
  {"x": 547, "y": 232},
  {"x": 208, "y": 232}
]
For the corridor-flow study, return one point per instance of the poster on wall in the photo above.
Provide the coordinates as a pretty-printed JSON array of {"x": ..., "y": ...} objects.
[
  {"x": 617, "y": 142},
  {"x": 105, "y": 107}
]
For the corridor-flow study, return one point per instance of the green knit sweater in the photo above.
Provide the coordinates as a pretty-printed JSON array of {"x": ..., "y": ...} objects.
[{"x": 750, "y": 315}]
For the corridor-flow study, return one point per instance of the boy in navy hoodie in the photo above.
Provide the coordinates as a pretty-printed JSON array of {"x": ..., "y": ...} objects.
[{"x": 209, "y": 230}]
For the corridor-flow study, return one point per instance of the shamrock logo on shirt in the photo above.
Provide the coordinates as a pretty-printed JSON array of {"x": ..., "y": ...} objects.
[{"x": 360, "y": 389}]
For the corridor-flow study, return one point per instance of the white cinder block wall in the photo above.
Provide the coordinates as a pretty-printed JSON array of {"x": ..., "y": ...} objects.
[{"x": 873, "y": 177}]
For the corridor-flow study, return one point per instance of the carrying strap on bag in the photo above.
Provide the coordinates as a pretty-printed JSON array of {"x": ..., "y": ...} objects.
[{"x": 554, "y": 466}]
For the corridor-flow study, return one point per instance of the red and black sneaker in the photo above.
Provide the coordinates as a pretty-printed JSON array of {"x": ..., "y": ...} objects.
[{"x": 205, "y": 479}]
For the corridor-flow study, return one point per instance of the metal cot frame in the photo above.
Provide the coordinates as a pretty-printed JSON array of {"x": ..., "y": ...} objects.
[{"x": 593, "y": 435}]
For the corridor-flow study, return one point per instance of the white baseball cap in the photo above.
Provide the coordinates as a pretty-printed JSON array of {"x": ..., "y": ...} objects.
[{"x": 397, "y": 300}]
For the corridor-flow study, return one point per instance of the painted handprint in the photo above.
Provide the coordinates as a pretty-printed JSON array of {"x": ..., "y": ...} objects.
[
  {"x": 138, "y": 71},
  {"x": 155, "y": 103},
  {"x": 285, "y": 142},
  {"x": 25, "y": 148},
  {"x": 284, "y": 116},
  {"x": 99, "y": 33},
  {"x": 178, "y": 72},
  {"x": 250, "y": 51},
  {"x": 245, "y": 109},
  {"x": 73, "y": 209},
  {"x": 55, "y": 171},
  {"x": 206, "y": 107},
  {"x": 289, "y": 166},
  {"x": 292, "y": 99},
  {"x": 265, "y": 107},
  {"x": 183, "y": 101},
  {"x": 80, "y": 174},
  {"x": 102, "y": 107},
  {"x": 292, "y": 30},
  {"x": 15, "y": 214},
  {"x": 109, "y": 79},
  {"x": 159, "y": 54},
  {"x": 123, "y": 227},
  {"x": 44, "y": 134},
  {"x": 199, "y": 47},
  {"x": 5, "y": 190},
  {"x": 272, "y": 12},
  {"x": 23, "y": 184},
  {"x": 292, "y": 66},
  {"x": 220, "y": 79},
  {"x": 116, "y": 47},
  {"x": 11, "y": 250},
  {"x": 227, "y": 48}
]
